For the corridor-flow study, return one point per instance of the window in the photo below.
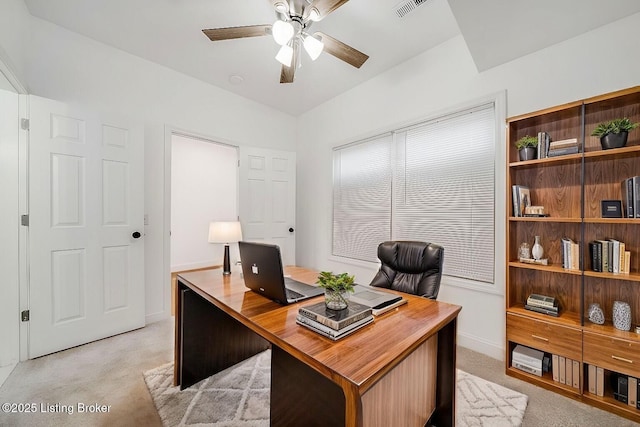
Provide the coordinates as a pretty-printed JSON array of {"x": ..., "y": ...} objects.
[{"x": 433, "y": 182}]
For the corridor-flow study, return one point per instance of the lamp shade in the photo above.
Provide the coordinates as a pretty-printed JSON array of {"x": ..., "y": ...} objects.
[
  {"x": 313, "y": 46},
  {"x": 225, "y": 232},
  {"x": 282, "y": 32},
  {"x": 285, "y": 55}
]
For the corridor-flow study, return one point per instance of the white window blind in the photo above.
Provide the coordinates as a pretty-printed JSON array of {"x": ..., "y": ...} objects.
[
  {"x": 433, "y": 182},
  {"x": 362, "y": 198},
  {"x": 444, "y": 190}
]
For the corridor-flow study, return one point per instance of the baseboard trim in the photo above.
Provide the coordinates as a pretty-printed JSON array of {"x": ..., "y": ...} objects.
[
  {"x": 471, "y": 342},
  {"x": 156, "y": 317},
  {"x": 5, "y": 371}
]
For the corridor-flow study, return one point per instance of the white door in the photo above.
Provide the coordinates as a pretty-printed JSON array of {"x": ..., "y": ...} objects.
[
  {"x": 86, "y": 206},
  {"x": 268, "y": 198}
]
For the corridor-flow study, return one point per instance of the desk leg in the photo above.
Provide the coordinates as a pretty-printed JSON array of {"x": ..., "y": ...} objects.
[
  {"x": 300, "y": 396},
  {"x": 445, "y": 412},
  {"x": 211, "y": 340}
]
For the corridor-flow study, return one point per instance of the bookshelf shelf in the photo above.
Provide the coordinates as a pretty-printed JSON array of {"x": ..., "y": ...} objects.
[
  {"x": 546, "y": 219},
  {"x": 571, "y": 189}
]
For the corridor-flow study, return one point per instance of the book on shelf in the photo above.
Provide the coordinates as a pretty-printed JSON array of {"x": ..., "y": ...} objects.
[
  {"x": 570, "y": 254},
  {"x": 627, "y": 262},
  {"x": 570, "y": 142},
  {"x": 636, "y": 195},
  {"x": 563, "y": 151},
  {"x": 335, "y": 319},
  {"x": 551, "y": 311},
  {"x": 595, "y": 253},
  {"x": 604, "y": 251},
  {"x": 330, "y": 332},
  {"x": 615, "y": 256},
  {"x": 628, "y": 203}
]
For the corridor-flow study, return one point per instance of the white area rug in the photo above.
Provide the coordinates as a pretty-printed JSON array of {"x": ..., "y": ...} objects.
[{"x": 239, "y": 397}]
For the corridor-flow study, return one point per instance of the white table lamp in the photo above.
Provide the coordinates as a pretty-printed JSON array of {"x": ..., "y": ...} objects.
[{"x": 225, "y": 232}]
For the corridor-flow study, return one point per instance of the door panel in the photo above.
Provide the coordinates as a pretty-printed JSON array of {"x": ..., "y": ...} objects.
[
  {"x": 267, "y": 198},
  {"x": 85, "y": 201}
]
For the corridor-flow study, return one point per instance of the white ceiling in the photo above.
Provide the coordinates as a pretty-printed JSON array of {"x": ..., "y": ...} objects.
[{"x": 169, "y": 32}]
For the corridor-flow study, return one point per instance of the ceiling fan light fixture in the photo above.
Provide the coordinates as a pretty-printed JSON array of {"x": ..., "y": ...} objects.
[
  {"x": 282, "y": 32},
  {"x": 285, "y": 55},
  {"x": 313, "y": 46},
  {"x": 314, "y": 14},
  {"x": 281, "y": 6}
]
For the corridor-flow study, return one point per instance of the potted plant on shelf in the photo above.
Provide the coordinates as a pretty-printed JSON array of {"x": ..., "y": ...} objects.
[
  {"x": 336, "y": 288},
  {"x": 527, "y": 147},
  {"x": 614, "y": 133}
]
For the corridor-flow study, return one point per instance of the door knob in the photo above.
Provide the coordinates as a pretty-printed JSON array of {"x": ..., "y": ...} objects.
[
  {"x": 290, "y": 229},
  {"x": 136, "y": 235}
]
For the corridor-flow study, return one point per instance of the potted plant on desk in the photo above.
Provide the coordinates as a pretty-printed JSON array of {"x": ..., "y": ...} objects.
[
  {"x": 527, "y": 147},
  {"x": 614, "y": 133},
  {"x": 336, "y": 289}
]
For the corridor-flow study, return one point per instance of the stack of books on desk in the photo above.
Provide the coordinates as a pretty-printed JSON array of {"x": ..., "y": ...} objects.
[{"x": 334, "y": 324}]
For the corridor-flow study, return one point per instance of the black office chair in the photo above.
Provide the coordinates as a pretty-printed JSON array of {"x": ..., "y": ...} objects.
[{"x": 411, "y": 267}]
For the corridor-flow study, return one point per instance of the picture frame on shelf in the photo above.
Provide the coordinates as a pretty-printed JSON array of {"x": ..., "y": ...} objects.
[{"x": 611, "y": 208}]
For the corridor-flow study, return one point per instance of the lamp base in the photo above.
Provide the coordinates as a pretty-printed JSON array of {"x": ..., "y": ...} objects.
[{"x": 226, "y": 265}]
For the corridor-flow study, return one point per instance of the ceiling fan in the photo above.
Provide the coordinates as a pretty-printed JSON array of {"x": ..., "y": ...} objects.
[{"x": 291, "y": 32}]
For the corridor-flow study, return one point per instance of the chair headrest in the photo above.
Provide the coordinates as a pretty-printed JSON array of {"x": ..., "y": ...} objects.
[{"x": 410, "y": 256}]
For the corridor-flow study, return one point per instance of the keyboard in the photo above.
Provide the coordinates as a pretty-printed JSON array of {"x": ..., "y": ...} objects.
[{"x": 293, "y": 294}]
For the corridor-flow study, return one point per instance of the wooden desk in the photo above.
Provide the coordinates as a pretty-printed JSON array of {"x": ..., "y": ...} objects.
[{"x": 399, "y": 370}]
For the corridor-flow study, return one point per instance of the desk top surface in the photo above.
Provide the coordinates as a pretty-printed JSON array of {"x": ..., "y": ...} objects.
[{"x": 361, "y": 358}]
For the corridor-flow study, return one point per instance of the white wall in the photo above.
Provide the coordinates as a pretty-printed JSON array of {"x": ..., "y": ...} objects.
[
  {"x": 437, "y": 80},
  {"x": 204, "y": 188},
  {"x": 9, "y": 218},
  {"x": 14, "y": 36},
  {"x": 68, "y": 67}
]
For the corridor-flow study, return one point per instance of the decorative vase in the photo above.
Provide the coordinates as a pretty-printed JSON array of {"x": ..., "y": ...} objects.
[
  {"x": 527, "y": 153},
  {"x": 525, "y": 251},
  {"x": 336, "y": 300},
  {"x": 614, "y": 140},
  {"x": 537, "y": 250},
  {"x": 595, "y": 314},
  {"x": 621, "y": 315}
]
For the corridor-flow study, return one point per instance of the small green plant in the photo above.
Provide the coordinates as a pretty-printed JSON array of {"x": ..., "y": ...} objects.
[
  {"x": 614, "y": 126},
  {"x": 336, "y": 282},
  {"x": 336, "y": 286},
  {"x": 526, "y": 142}
]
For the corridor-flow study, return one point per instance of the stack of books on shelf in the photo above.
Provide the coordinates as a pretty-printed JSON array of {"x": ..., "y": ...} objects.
[
  {"x": 542, "y": 304},
  {"x": 521, "y": 196},
  {"x": 565, "y": 371},
  {"x": 570, "y": 254},
  {"x": 334, "y": 324},
  {"x": 631, "y": 197},
  {"x": 563, "y": 147},
  {"x": 609, "y": 256}
]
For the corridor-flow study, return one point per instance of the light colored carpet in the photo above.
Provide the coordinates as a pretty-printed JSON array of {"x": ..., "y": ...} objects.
[{"x": 239, "y": 397}]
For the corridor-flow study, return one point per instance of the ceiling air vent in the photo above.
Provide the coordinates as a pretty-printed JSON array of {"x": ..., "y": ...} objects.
[{"x": 403, "y": 8}]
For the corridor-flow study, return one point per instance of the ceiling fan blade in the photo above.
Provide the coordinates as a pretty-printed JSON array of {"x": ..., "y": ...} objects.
[
  {"x": 342, "y": 51},
  {"x": 287, "y": 74},
  {"x": 216, "y": 34},
  {"x": 325, "y": 7}
]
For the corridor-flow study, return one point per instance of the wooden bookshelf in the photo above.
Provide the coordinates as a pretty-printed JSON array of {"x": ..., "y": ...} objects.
[{"x": 571, "y": 189}]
